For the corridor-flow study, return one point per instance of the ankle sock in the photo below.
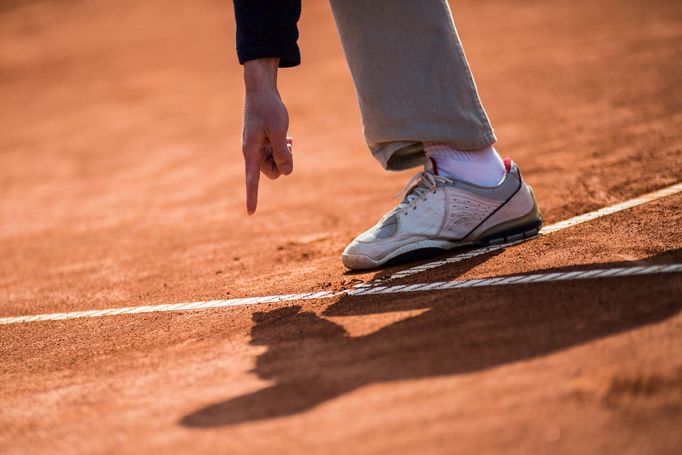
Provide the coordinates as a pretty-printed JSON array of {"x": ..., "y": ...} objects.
[{"x": 481, "y": 167}]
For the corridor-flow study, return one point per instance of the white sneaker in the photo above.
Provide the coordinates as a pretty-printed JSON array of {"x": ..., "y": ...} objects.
[{"x": 440, "y": 213}]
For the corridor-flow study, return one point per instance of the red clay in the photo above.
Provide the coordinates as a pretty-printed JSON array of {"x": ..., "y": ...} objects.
[{"x": 121, "y": 178}]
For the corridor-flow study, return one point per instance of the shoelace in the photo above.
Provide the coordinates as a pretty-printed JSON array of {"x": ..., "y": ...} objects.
[{"x": 425, "y": 182}]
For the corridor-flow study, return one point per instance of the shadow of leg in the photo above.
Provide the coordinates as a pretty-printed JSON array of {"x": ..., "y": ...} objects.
[{"x": 312, "y": 360}]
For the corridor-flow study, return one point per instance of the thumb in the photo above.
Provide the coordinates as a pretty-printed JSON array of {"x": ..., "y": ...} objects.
[{"x": 281, "y": 152}]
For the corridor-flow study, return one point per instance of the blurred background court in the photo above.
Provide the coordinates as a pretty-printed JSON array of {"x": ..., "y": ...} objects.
[{"x": 121, "y": 184}]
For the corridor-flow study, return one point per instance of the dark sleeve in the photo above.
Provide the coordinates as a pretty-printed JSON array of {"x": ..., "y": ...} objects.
[{"x": 267, "y": 28}]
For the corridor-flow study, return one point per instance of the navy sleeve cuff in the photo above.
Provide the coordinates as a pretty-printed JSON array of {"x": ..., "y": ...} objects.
[
  {"x": 288, "y": 55},
  {"x": 268, "y": 28}
]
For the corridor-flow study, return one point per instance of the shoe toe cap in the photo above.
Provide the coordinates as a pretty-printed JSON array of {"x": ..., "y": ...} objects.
[
  {"x": 356, "y": 257},
  {"x": 358, "y": 262}
]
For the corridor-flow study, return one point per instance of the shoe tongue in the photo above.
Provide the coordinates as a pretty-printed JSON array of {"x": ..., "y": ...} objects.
[{"x": 431, "y": 166}]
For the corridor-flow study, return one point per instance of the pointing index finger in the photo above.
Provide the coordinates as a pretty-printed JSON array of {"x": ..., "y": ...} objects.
[{"x": 252, "y": 173}]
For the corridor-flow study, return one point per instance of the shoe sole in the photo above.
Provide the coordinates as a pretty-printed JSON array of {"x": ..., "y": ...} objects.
[{"x": 526, "y": 231}]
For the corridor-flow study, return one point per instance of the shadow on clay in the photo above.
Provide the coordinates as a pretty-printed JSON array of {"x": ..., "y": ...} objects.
[{"x": 311, "y": 359}]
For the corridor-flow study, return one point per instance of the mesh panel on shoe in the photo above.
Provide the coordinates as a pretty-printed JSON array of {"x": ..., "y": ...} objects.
[{"x": 388, "y": 227}]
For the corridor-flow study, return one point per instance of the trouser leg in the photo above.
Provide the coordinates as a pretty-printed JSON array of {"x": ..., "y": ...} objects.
[{"x": 412, "y": 79}]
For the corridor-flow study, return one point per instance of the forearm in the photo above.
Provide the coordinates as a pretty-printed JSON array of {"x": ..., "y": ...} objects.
[{"x": 266, "y": 40}]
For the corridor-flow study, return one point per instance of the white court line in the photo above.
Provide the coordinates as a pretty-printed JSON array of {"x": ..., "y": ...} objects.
[
  {"x": 585, "y": 217},
  {"x": 420, "y": 287},
  {"x": 171, "y": 307},
  {"x": 373, "y": 288}
]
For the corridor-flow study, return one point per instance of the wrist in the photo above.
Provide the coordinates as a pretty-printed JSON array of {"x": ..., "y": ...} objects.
[{"x": 260, "y": 75}]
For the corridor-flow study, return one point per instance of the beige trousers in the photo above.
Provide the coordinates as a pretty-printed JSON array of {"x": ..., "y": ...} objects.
[{"x": 412, "y": 79}]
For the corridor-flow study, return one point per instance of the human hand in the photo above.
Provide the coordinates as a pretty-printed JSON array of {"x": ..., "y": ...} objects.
[{"x": 265, "y": 144}]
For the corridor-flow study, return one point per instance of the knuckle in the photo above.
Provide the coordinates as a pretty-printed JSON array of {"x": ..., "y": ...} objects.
[{"x": 278, "y": 130}]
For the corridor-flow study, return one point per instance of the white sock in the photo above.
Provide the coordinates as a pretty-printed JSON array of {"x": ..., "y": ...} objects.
[{"x": 481, "y": 167}]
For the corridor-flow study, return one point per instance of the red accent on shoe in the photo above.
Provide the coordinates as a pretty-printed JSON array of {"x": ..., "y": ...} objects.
[
  {"x": 507, "y": 164},
  {"x": 434, "y": 166}
]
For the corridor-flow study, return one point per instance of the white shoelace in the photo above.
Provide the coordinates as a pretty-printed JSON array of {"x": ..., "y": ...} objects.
[{"x": 425, "y": 182}]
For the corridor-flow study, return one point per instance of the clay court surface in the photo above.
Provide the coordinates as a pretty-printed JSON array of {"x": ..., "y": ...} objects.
[{"x": 121, "y": 186}]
